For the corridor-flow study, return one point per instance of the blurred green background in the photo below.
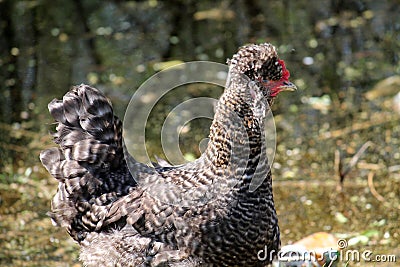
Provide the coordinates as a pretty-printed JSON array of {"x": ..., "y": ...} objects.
[{"x": 343, "y": 56}]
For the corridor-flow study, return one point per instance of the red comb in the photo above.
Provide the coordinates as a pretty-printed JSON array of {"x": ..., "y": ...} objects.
[{"x": 285, "y": 71}]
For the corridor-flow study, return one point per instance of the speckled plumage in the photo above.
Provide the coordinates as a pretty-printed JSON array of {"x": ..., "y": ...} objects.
[{"x": 199, "y": 214}]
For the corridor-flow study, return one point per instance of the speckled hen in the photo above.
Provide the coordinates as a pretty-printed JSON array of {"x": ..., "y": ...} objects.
[{"x": 215, "y": 211}]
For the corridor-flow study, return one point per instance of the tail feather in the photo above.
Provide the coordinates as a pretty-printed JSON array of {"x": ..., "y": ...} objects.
[
  {"x": 86, "y": 123},
  {"x": 51, "y": 159},
  {"x": 89, "y": 163}
]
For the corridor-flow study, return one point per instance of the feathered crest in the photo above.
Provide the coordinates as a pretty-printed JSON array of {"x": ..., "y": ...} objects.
[{"x": 252, "y": 57}]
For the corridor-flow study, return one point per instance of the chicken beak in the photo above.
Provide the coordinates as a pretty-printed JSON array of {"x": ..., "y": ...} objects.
[
  {"x": 279, "y": 86},
  {"x": 287, "y": 86}
]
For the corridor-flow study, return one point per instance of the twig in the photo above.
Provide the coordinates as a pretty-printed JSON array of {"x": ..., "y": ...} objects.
[
  {"x": 370, "y": 166},
  {"x": 340, "y": 171},
  {"x": 355, "y": 159},
  {"x": 24, "y": 132},
  {"x": 356, "y": 127},
  {"x": 394, "y": 168},
  {"x": 16, "y": 148},
  {"x": 372, "y": 187}
]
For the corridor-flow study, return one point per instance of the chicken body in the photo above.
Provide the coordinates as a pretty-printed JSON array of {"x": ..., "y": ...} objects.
[{"x": 204, "y": 213}]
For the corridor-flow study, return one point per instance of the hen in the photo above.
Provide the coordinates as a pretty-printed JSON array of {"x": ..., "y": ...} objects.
[{"x": 215, "y": 211}]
